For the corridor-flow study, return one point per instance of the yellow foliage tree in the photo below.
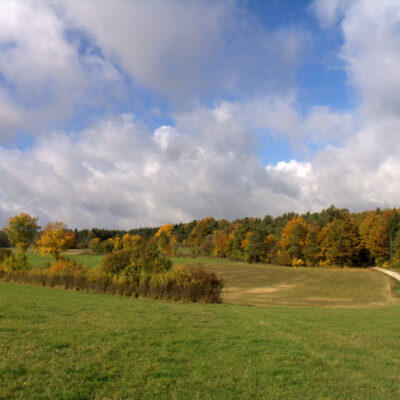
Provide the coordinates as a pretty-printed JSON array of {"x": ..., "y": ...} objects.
[
  {"x": 374, "y": 232},
  {"x": 220, "y": 244},
  {"x": 163, "y": 238},
  {"x": 290, "y": 230},
  {"x": 293, "y": 240},
  {"x": 54, "y": 239},
  {"x": 21, "y": 230},
  {"x": 165, "y": 229},
  {"x": 131, "y": 241}
]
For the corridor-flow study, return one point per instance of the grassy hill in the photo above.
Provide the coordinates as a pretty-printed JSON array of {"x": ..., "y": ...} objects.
[{"x": 59, "y": 344}]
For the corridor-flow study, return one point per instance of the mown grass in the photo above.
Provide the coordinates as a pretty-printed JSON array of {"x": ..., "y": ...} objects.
[
  {"x": 196, "y": 260},
  {"x": 69, "y": 345},
  {"x": 87, "y": 260},
  {"x": 261, "y": 284}
]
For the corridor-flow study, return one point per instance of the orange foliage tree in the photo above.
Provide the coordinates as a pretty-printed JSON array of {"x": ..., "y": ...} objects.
[
  {"x": 293, "y": 241},
  {"x": 54, "y": 239}
]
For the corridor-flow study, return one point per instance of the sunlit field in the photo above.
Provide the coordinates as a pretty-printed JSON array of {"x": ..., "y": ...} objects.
[{"x": 58, "y": 344}]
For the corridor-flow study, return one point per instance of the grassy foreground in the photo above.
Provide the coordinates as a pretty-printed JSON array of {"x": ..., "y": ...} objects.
[{"x": 69, "y": 345}]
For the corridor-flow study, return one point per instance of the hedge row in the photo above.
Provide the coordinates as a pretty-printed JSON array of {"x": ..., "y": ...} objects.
[{"x": 183, "y": 283}]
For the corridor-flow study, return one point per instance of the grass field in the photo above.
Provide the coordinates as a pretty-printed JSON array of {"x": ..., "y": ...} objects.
[
  {"x": 59, "y": 344},
  {"x": 87, "y": 260},
  {"x": 260, "y": 284}
]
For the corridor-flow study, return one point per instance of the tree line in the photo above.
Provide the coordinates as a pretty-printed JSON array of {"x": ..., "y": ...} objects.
[{"x": 333, "y": 236}]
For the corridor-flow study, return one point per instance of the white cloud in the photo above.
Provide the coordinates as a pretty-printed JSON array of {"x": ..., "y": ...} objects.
[
  {"x": 329, "y": 12},
  {"x": 43, "y": 75},
  {"x": 193, "y": 49},
  {"x": 117, "y": 174}
]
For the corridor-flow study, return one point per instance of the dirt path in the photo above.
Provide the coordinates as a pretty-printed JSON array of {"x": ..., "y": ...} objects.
[{"x": 393, "y": 274}]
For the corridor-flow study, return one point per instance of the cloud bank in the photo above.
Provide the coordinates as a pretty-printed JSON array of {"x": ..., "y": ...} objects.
[{"x": 227, "y": 81}]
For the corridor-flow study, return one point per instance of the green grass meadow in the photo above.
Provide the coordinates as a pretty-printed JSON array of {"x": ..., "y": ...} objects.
[
  {"x": 87, "y": 260},
  {"x": 282, "y": 333},
  {"x": 59, "y": 344}
]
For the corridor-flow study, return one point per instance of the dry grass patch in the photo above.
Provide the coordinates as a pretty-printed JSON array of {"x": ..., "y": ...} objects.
[{"x": 261, "y": 284}]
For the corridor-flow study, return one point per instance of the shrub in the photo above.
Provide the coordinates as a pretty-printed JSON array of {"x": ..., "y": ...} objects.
[
  {"x": 181, "y": 284},
  {"x": 144, "y": 258},
  {"x": 15, "y": 262},
  {"x": 117, "y": 261},
  {"x": 190, "y": 283},
  {"x": 297, "y": 262},
  {"x": 64, "y": 265},
  {"x": 385, "y": 265},
  {"x": 4, "y": 253}
]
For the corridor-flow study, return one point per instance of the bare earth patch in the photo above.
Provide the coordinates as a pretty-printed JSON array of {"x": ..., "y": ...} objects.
[{"x": 260, "y": 290}]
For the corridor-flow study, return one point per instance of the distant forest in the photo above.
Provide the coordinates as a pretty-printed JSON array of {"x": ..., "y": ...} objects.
[{"x": 331, "y": 237}]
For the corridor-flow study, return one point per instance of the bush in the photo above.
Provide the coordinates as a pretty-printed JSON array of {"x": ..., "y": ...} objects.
[
  {"x": 144, "y": 258},
  {"x": 297, "y": 262},
  {"x": 181, "y": 284},
  {"x": 117, "y": 261},
  {"x": 190, "y": 283},
  {"x": 67, "y": 266},
  {"x": 15, "y": 262},
  {"x": 4, "y": 253}
]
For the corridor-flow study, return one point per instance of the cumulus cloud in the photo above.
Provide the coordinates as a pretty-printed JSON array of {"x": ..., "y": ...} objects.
[
  {"x": 278, "y": 116},
  {"x": 118, "y": 174},
  {"x": 362, "y": 170}
]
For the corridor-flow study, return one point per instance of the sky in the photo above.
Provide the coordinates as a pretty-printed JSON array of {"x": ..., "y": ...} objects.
[{"x": 129, "y": 113}]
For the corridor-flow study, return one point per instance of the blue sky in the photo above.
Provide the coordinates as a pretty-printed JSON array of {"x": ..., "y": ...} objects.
[{"x": 127, "y": 113}]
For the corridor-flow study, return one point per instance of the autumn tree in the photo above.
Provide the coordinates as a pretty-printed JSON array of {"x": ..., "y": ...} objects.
[
  {"x": 396, "y": 251},
  {"x": 374, "y": 233},
  {"x": 54, "y": 239},
  {"x": 220, "y": 243},
  {"x": 21, "y": 231},
  {"x": 293, "y": 241},
  {"x": 202, "y": 229},
  {"x": 340, "y": 242},
  {"x": 131, "y": 241},
  {"x": 163, "y": 238},
  {"x": 240, "y": 237},
  {"x": 312, "y": 248}
]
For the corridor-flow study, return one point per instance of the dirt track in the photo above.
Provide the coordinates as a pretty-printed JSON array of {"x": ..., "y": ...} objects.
[{"x": 393, "y": 274}]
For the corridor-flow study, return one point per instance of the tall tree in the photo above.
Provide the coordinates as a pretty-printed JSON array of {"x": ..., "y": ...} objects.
[{"x": 21, "y": 231}]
